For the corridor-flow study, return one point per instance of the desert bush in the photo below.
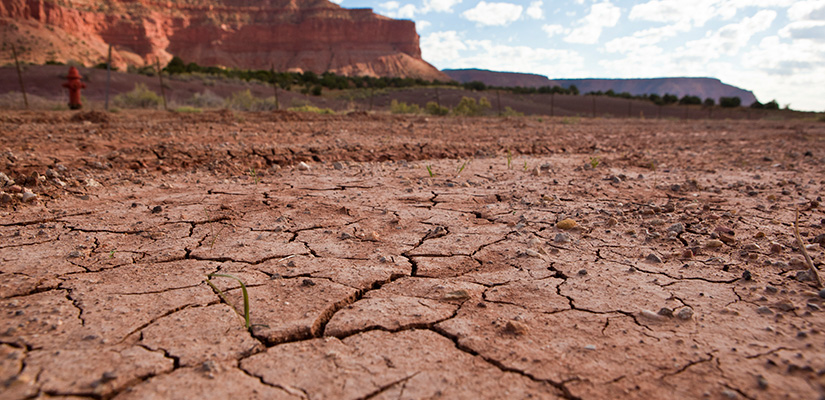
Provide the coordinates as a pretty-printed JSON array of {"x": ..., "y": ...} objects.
[
  {"x": 509, "y": 112},
  {"x": 206, "y": 99},
  {"x": 312, "y": 109},
  {"x": 730, "y": 102},
  {"x": 404, "y": 108},
  {"x": 709, "y": 102},
  {"x": 469, "y": 107},
  {"x": 246, "y": 101},
  {"x": 433, "y": 108},
  {"x": 188, "y": 110},
  {"x": 139, "y": 97},
  {"x": 690, "y": 100}
]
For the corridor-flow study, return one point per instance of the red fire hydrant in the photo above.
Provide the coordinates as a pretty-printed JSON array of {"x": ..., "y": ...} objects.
[{"x": 74, "y": 85}]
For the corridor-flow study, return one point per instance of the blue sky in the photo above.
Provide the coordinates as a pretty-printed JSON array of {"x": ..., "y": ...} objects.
[{"x": 776, "y": 48}]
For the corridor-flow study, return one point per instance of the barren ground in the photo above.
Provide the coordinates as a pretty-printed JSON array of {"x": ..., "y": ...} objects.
[{"x": 369, "y": 278}]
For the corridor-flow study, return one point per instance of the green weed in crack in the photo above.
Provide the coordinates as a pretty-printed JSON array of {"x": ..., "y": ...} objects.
[
  {"x": 254, "y": 175},
  {"x": 430, "y": 171},
  {"x": 594, "y": 162},
  {"x": 509, "y": 159},
  {"x": 223, "y": 297},
  {"x": 212, "y": 229}
]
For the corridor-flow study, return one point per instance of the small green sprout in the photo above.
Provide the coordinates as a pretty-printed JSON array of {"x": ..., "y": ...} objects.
[
  {"x": 254, "y": 175},
  {"x": 509, "y": 159},
  {"x": 112, "y": 253},
  {"x": 220, "y": 294},
  {"x": 461, "y": 168},
  {"x": 594, "y": 162},
  {"x": 430, "y": 171},
  {"x": 525, "y": 165}
]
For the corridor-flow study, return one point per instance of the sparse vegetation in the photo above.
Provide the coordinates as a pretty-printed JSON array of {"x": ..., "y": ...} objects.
[
  {"x": 246, "y": 101},
  {"x": 223, "y": 297},
  {"x": 140, "y": 97},
  {"x": 188, "y": 110},
  {"x": 470, "y": 108},
  {"x": 433, "y": 108},
  {"x": 730, "y": 102},
  {"x": 397, "y": 107},
  {"x": 312, "y": 109}
]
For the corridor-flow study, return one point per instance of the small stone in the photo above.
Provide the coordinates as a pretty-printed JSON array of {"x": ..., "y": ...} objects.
[
  {"x": 5, "y": 198},
  {"x": 714, "y": 244},
  {"x": 761, "y": 382},
  {"x": 302, "y": 166},
  {"x": 665, "y": 312},
  {"x": 785, "y": 305},
  {"x": 338, "y": 165},
  {"x": 803, "y": 276},
  {"x": 516, "y": 328},
  {"x": 92, "y": 183},
  {"x": 730, "y": 394},
  {"x": 822, "y": 293},
  {"x": 813, "y": 307},
  {"x": 652, "y": 257},
  {"x": 566, "y": 223},
  {"x": 308, "y": 282},
  {"x": 590, "y": 347},
  {"x": 28, "y": 196},
  {"x": 771, "y": 289},
  {"x": 747, "y": 275},
  {"x": 759, "y": 235},
  {"x": 776, "y": 248},
  {"x": 651, "y": 315},
  {"x": 764, "y": 310},
  {"x": 685, "y": 314},
  {"x": 612, "y": 222},
  {"x": 75, "y": 254},
  {"x": 156, "y": 209},
  {"x": 15, "y": 189},
  {"x": 582, "y": 272},
  {"x": 687, "y": 254},
  {"x": 561, "y": 237},
  {"x": 460, "y": 294},
  {"x": 676, "y": 228}
]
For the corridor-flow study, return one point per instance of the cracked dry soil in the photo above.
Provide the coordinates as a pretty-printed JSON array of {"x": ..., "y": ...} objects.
[{"x": 370, "y": 279}]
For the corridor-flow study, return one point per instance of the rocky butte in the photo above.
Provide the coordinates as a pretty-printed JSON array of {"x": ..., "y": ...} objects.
[{"x": 308, "y": 35}]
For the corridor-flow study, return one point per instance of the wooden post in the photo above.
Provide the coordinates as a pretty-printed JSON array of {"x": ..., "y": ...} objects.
[
  {"x": 437, "y": 98},
  {"x": 552, "y": 104},
  {"x": 108, "y": 77},
  {"x": 20, "y": 76},
  {"x": 162, "y": 90},
  {"x": 275, "y": 87}
]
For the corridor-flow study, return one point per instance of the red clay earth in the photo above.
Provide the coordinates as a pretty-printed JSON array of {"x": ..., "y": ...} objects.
[{"x": 675, "y": 273}]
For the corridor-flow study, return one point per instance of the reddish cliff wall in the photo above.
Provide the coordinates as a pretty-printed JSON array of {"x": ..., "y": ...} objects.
[{"x": 314, "y": 35}]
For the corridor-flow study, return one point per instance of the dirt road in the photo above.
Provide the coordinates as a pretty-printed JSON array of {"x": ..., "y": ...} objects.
[{"x": 406, "y": 257}]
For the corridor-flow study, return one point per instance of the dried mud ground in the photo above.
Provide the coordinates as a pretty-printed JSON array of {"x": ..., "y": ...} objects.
[{"x": 670, "y": 270}]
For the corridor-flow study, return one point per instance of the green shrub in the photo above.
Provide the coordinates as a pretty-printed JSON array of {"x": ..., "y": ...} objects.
[
  {"x": 312, "y": 109},
  {"x": 433, "y": 108},
  {"x": 404, "y": 108},
  {"x": 730, "y": 102},
  {"x": 509, "y": 112},
  {"x": 469, "y": 107},
  {"x": 139, "y": 97},
  {"x": 246, "y": 101},
  {"x": 188, "y": 110},
  {"x": 206, "y": 99}
]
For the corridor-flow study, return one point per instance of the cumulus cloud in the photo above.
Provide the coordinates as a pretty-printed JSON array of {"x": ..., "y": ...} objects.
[
  {"x": 422, "y": 25},
  {"x": 498, "y": 57},
  {"x": 535, "y": 11},
  {"x": 439, "y": 5},
  {"x": 552, "y": 29},
  {"x": 807, "y": 10},
  {"x": 493, "y": 14},
  {"x": 602, "y": 15},
  {"x": 729, "y": 39},
  {"x": 640, "y": 40},
  {"x": 442, "y": 46},
  {"x": 696, "y": 12}
]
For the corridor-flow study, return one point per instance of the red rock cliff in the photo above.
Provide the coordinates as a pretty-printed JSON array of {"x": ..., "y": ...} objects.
[{"x": 306, "y": 35}]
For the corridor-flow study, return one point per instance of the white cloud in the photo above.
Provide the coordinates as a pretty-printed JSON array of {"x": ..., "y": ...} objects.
[
  {"x": 729, "y": 39},
  {"x": 439, "y": 5},
  {"x": 497, "y": 57},
  {"x": 535, "y": 11},
  {"x": 442, "y": 46},
  {"x": 422, "y": 25},
  {"x": 493, "y": 14},
  {"x": 639, "y": 40},
  {"x": 390, "y": 5},
  {"x": 552, "y": 29},
  {"x": 696, "y": 12},
  {"x": 602, "y": 15},
  {"x": 337, "y": 1},
  {"x": 807, "y": 10}
]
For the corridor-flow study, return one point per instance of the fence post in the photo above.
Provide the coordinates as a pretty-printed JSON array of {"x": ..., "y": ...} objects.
[
  {"x": 108, "y": 77},
  {"x": 162, "y": 90},
  {"x": 20, "y": 76}
]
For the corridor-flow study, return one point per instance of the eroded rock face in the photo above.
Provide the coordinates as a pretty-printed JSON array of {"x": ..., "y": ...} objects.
[{"x": 314, "y": 35}]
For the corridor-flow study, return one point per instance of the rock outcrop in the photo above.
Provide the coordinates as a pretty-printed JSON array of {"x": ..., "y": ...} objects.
[
  {"x": 702, "y": 87},
  {"x": 302, "y": 35}
]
